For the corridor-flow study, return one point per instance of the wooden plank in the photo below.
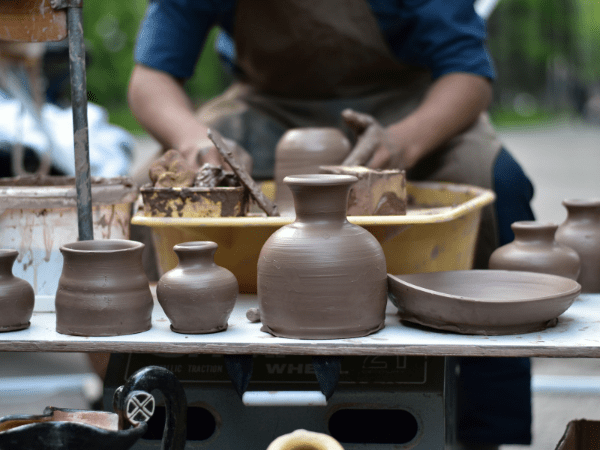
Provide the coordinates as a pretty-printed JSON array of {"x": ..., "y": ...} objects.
[
  {"x": 31, "y": 21},
  {"x": 576, "y": 335}
]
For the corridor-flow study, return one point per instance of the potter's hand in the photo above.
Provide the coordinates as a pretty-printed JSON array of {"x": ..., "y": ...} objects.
[
  {"x": 373, "y": 148},
  {"x": 200, "y": 152},
  {"x": 204, "y": 151}
]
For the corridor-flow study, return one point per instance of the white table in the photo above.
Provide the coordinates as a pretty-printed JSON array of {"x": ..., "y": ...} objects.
[{"x": 576, "y": 335}]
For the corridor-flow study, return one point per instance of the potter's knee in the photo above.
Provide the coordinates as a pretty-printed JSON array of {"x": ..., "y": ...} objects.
[{"x": 509, "y": 178}]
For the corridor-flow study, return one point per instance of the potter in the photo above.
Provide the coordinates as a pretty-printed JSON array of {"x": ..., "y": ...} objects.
[{"x": 302, "y": 64}]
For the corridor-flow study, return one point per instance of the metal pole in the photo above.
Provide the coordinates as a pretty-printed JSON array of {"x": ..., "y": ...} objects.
[{"x": 80, "y": 123}]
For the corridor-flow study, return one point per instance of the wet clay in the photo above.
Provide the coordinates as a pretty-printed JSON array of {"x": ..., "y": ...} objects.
[
  {"x": 171, "y": 170},
  {"x": 535, "y": 250},
  {"x": 103, "y": 289},
  {"x": 197, "y": 295},
  {"x": 321, "y": 277},
  {"x": 16, "y": 295},
  {"x": 581, "y": 232},
  {"x": 211, "y": 176},
  {"x": 376, "y": 193},
  {"x": 303, "y": 151},
  {"x": 487, "y": 302},
  {"x": 253, "y": 315}
]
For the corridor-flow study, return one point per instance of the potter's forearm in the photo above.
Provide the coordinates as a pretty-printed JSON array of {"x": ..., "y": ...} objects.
[
  {"x": 160, "y": 104},
  {"x": 452, "y": 104}
]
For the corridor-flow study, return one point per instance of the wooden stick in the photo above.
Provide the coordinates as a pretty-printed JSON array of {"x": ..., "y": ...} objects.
[{"x": 265, "y": 204}]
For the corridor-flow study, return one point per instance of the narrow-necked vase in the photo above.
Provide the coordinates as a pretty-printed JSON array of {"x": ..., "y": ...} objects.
[{"x": 321, "y": 277}]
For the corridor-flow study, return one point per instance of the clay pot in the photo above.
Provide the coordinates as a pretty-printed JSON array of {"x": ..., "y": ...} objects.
[
  {"x": 535, "y": 250},
  {"x": 103, "y": 289},
  {"x": 302, "y": 151},
  {"x": 16, "y": 295},
  {"x": 581, "y": 232},
  {"x": 197, "y": 295},
  {"x": 321, "y": 277}
]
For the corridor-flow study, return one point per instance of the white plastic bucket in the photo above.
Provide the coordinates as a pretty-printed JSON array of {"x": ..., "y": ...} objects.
[{"x": 38, "y": 215}]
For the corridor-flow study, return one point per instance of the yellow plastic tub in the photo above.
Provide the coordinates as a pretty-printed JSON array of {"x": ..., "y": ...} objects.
[{"x": 438, "y": 233}]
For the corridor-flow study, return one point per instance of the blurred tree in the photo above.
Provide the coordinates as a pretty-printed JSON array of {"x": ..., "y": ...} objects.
[
  {"x": 110, "y": 29},
  {"x": 537, "y": 49}
]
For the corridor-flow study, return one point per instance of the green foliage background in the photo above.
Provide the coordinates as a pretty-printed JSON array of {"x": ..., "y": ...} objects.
[
  {"x": 524, "y": 36},
  {"x": 110, "y": 30}
]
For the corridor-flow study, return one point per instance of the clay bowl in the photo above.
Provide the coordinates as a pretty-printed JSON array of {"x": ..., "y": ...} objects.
[{"x": 488, "y": 302}]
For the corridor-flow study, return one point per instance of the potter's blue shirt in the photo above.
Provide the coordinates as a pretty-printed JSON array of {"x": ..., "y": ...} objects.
[{"x": 444, "y": 36}]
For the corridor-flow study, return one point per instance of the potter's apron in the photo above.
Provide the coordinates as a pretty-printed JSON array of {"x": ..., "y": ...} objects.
[{"x": 303, "y": 62}]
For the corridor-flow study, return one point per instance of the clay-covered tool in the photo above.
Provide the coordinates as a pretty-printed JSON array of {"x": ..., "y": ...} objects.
[{"x": 265, "y": 204}]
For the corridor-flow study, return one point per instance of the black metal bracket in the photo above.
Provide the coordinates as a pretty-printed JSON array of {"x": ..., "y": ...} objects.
[
  {"x": 64, "y": 4},
  {"x": 327, "y": 370}
]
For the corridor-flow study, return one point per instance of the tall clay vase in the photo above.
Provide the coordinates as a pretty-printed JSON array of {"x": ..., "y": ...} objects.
[
  {"x": 16, "y": 295},
  {"x": 197, "y": 295},
  {"x": 303, "y": 151},
  {"x": 321, "y": 277},
  {"x": 581, "y": 232},
  {"x": 535, "y": 250},
  {"x": 103, "y": 289}
]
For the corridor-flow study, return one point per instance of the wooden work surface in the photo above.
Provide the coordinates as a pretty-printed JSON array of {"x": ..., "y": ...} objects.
[{"x": 576, "y": 335}]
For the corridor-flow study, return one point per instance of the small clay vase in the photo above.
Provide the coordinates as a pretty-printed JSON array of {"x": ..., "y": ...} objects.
[
  {"x": 197, "y": 295},
  {"x": 321, "y": 277},
  {"x": 16, "y": 295},
  {"x": 581, "y": 232},
  {"x": 103, "y": 289},
  {"x": 535, "y": 250},
  {"x": 303, "y": 151}
]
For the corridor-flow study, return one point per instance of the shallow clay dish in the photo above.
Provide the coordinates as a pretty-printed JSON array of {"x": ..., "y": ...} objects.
[{"x": 488, "y": 302}]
